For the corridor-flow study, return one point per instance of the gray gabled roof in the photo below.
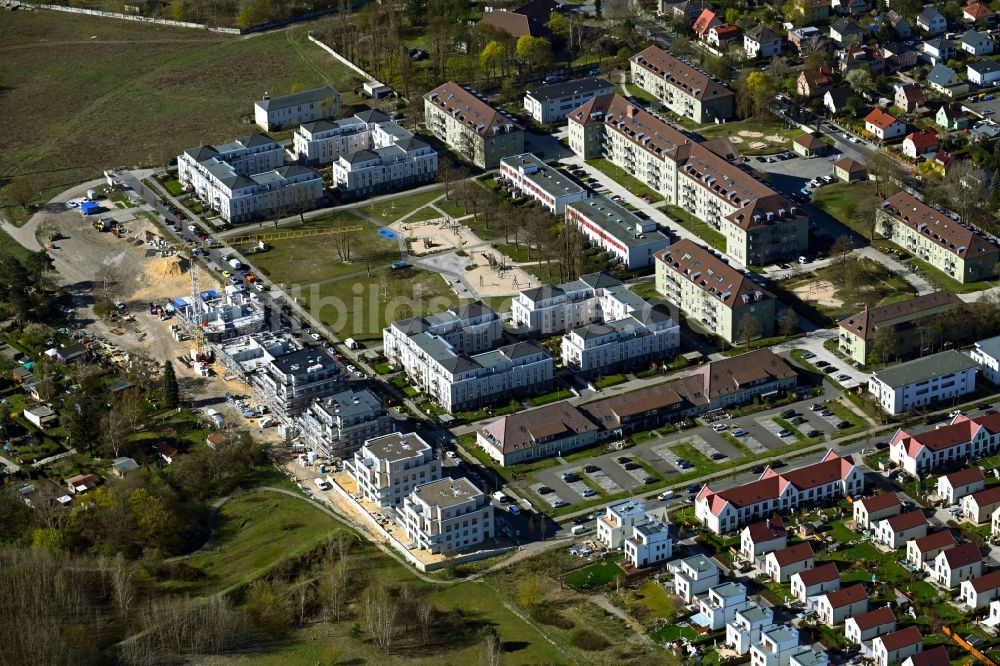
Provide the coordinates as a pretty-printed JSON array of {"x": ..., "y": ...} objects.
[
  {"x": 846, "y": 26},
  {"x": 928, "y": 14},
  {"x": 973, "y": 37},
  {"x": 761, "y": 34},
  {"x": 941, "y": 75},
  {"x": 295, "y": 99},
  {"x": 984, "y": 66}
]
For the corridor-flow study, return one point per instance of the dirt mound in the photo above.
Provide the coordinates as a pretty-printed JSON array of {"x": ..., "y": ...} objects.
[{"x": 167, "y": 267}]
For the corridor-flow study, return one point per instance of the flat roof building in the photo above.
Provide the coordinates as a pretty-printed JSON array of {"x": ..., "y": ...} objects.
[
  {"x": 532, "y": 177},
  {"x": 447, "y": 515},
  {"x": 621, "y": 233},
  {"x": 553, "y": 102},
  {"x": 923, "y": 381},
  {"x": 339, "y": 424},
  {"x": 387, "y": 468}
]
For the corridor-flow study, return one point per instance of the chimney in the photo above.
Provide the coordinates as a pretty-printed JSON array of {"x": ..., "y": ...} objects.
[{"x": 630, "y": 111}]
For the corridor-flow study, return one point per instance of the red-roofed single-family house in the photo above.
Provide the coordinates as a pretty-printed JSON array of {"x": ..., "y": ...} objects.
[{"x": 780, "y": 565}]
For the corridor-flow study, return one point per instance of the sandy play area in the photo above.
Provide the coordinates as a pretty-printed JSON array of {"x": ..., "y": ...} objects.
[
  {"x": 757, "y": 140},
  {"x": 432, "y": 236},
  {"x": 820, "y": 292},
  {"x": 488, "y": 282}
]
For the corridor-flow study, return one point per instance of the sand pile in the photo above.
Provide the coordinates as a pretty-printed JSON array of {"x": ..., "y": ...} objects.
[{"x": 167, "y": 268}]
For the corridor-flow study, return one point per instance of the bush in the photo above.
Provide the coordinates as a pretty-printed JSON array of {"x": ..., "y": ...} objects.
[
  {"x": 544, "y": 615},
  {"x": 585, "y": 639}
]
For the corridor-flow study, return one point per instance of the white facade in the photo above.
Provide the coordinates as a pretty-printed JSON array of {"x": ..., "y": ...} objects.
[
  {"x": 392, "y": 159},
  {"x": 981, "y": 591},
  {"x": 953, "y": 487},
  {"x": 987, "y": 354},
  {"x": 812, "y": 583},
  {"x": 275, "y": 113},
  {"x": 651, "y": 335},
  {"x": 835, "y": 607},
  {"x": 617, "y": 522},
  {"x": 649, "y": 545},
  {"x": 532, "y": 177},
  {"x": 777, "y": 644},
  {"x": 339, "y": 424},
  {"x": 870, "y": 510},
  {"x": 924, "y": 381},
  {"x": 957, "y": 564},
  {"x": 894, "y": 532},
  {"x": 744, "y": 629},
  {"x": 447, "y": 515},
  {"x": 762, "y": 538},
  {"x": 595, "y": 297},
  {"x": 388, "y": 468},
  {"x": 894, "y": 647},
  {"x": 947, "y": 445},
  {"x": 552, "y": 103},
  {"x": 324, "y": 141},
  {"x": 618, "y": 231},
  {"x": 861, "y": 628},
  {"x": 921, "y": 552},
  {"x": 693, "y": 576},
  {"x": 781, "y": 565},
  {"x": 720, "y": 605}
]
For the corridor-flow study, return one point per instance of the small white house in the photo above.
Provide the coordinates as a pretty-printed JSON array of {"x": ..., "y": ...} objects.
[
  {"x": 978, "y": 507},
  {"x": 864, "y": 627},
  {"x": 957, "y": 564},
  {"x": 978, "y": 592},
  {"x": 896, "y": 646},
  {"x": 693, "y": 576},
  {"x": 719, "y": 606},
  {"x": 762, "y": 537},
  {"x": 870, "y": 510},
  {"x": 617, "y": 521},
  {"x": 761, "y": 42},
  {"x": 781, "y": 564},
  {"x": 745, "y": 628},
  {"x": 922, "y": 552},
  {"x": 983, "y": 72},
  {"x": 41, "y": 416},
  {"x": 883, "y": 126},
  {"x": 894, "y": 532},
  {"x": 953, "y": 487},
  {"x": 835, "y": 607},
  {"x": 814, "y": 582},
  {"x": 935, "y": 656},
  {"x": 649, "y": 544}
]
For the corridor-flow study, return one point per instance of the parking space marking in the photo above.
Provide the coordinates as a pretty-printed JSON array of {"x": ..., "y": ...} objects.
[
  {"x": 703, "y": 446},
  {"x": 606, "y": 483},
  {"x": 773, "y": 428},
  {"x": 551, "y": 498},
  {"x": 663, "y": 450}
]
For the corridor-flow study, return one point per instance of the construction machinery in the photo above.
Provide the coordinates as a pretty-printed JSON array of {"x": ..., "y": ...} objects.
[{"x": 264, "y": 237}]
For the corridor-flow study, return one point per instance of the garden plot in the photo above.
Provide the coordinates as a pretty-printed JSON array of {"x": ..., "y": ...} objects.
[
  {"x": 774, "y": 429},
  {"x": 606, "y": 483}
]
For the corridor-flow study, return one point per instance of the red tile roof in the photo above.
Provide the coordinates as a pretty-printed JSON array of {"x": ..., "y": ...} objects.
[
  {"x": 798, "y": 552},
  {"x": 821, "y": 473},
  {"x": 846, "y": 596},
  {"x": 907, "y": 521},
  {"x": 987, "y": 497},
  {"x": 874, "y": 618},
  {"x": 809, "y": 141},
  {"x": 879, "y": 502},
  {"x": 922, "y": 141},
  {"x": 963, "y": 555},
  {"x": 935, "y": 541},
  {"x": 470, "y": 109},
  {"x": 679, "y": 74},
  {"x": 821, "y": 574},
  {"x": 880, "y": 119},
  {"x": 705, "y": 21},
  {"x": 864, "y": 323},
  {"x": 964, "y": 477},
  {"x": 901, "y": 638},
  {"x": 978, "y": 10},
  {"x": 767, "y": 530},
  {"x": 990, "y": 581},
  {"x": 936, "y": 656}
]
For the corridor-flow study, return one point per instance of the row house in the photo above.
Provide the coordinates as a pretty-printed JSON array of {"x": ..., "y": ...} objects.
[
  {"x": 953, "y": 487},
  {"x": 781, "y": 565},
  {"x": 870, "y": 510},
  {"x": 922, "y": 553},
  {"x": 894, "y": 532},
  {"x": 957, "y": 564},
  {"x": 812, "y": 583},
  {"x": 962, "y": 439}
]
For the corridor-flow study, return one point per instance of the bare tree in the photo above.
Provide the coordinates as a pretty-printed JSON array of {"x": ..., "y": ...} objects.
[
  {"x": 788, "y": 321},
  {"x": 122, "y": 576},
  {"x": 380, "y": 613},
  {"x": 492, "y": 649},
  {"x": 748, "y": 329},
  {"x": 335, "y": 591},
  {"x": 343, "y": 243},
  {"x": 425, "y": 616}
]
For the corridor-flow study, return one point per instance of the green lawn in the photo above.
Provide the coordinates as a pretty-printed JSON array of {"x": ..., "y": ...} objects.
[
  {"x": 656, "y": 599},
  {"x": 841, "y": 534},
  {"x": 622, "y": 177},
  {"x": 672, "y": 632},
  {"x": 390, "y": 210},
  {"x": 66, "y": 72},
  {"x": 610, "y": 380},
  {"x": 311, "y": 259},
  {"x": 700, "y": 229},
  {"x": 946, "y": 282},
  {"x": 857, "y": 423},
  {"x": 595, "y": 576},
  {"x": 843, "y": 202},
  {"x": 687, "y": 451},
  {"x": 253, "y": 532},
  {"x": 551, "y": 396},
  {"x": 173, "y": 186}
]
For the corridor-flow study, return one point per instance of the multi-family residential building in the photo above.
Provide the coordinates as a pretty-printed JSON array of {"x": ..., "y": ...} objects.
[
  {"x": 947, "y": 245},
  {"x": 552, "y": 103},
  {"x": 323, "y": 141},
  {"x": 455, "y": 357},
  {"x": 978, "y": 592},
  {"x": 728, "y": 510},
  {"x": 447, "y": 515},
  {"x": 305, "y": 106},
  {"x": 761, "y": 42},
  {"x": 651, "y": 334},
  {"x": 744, "y": 630},
  {"x": 812, "y": 583},
  {"x": 532, "y": 177},
  {"x": 957, "y": 564},
  {"x": 387, "y": 468},
  {"x": 392, "y": 159},
  {"x": 834, "y": 607},
  {"x": 870, "y": 510},
  {"x": 760, "y": 225},
  {"x": 561, "y": 427},
  {"x": 862, "y": 628},
  {"x": 857, "y": 332},
  {"x": 953, "y": 487},
  {"x": 246, "y": 179},
  {"x": 693, "y": 576},
  {"x": 549, "y": 310},
  {"x": 777, "y": 644},
  {"x": 478, "y": 132},
  {"x": 617, "y": 522},
  {"x": 683, "y": 89},
  {"x": 896, "y": 646},
  {"x": 780, "y": 565},
  {"x": 618, "y": 231},
  {"x": 921, "y": 552},
  {"x": 288, "y": 382},
  {"x": 719, "y": 606},
  {"x": 339, "y": 424},
  {"x": 649, "y": 544},
  {"x": 945, "y": 446},
  {"x": 713, "y": 293},
  {"x": 895, "y": 531},
  {"x": 987, "y": 354},
  {"x": 760, "y": 538},
  {"x": 923, "y": 381},
  {"x": 978, "y": 507}
]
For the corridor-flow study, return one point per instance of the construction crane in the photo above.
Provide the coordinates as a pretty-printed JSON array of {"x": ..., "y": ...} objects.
[
  {"x": 194, "y": 326},
  {"x": 286, "y": 235}
]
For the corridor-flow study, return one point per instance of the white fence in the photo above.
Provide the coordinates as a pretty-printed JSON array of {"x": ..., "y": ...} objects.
[
  {"x": 127, "y": 17},
  {"x": 342, "y": 59}
]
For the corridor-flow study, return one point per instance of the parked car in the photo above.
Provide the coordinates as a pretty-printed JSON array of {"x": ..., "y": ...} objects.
[
  {"x": 693, "y": 488},
  {"x": 649, "y": 479},
  {"x": 588, "y": 492},
  {"x": 544, "y": 490},
  {"x": 784, "y": 432},
  {"x": 739, "y": 432},
  {"x": 719, "y": 427},
  {"x": 843, "y": 425},
  {"x": 622, "y": 460},
  {"x": 590, "y": 469},
  {"x": 842, "y": 377},
  {"x": 758, "y": 469},
  {"x": 814, "y": 433}
]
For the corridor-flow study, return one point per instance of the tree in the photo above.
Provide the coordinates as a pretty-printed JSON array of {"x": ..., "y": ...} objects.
[
  {"x": 122, "y": 586},
  {"x": 788, "y": 321},
  {"x": 491, "y": 58},
  {"x": 559, "y": 25},
  {"x": 492, "y": 648},
  {"x": 425, "y": 617},
  {"x": 171, "y": 390},
  {"x": 178, "y": 10},
  {"x": 754, "y": 95},
  {"x": 841, "y": 249},
  {"x": 508, "y": 90},
  {"x": 599, "y": 9},
  {"x": 379, "y": 611},
  {"x": 529, "y": 592},
  {"x": 748, "y": 329},
  {"x": 19, "y": 191},
  {"x": 534, "y": 52},
  {"x": 859, "y": 79},
  {"x": 885, "y": 344}
]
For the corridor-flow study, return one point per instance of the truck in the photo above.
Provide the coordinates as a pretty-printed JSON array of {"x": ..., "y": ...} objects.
[
  {"x": 351, "y": 343},
  {"x": 235, "y": 263}
]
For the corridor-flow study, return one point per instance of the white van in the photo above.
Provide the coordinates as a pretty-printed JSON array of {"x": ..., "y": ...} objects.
[
  {"x": 499, "y": 496},
  {"x": 579, "y": 529}
]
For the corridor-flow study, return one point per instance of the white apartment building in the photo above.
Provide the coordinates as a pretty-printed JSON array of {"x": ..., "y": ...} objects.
[
  {"x": 760, "y": 225},
  {"x": 617, "y": 522},
  {"x": 693, "y": 576},
  {"x": 650, "y": 334},
  {"x": 532, "y": 177},
  {"x": 728, "y": 510},
  {"x": 287, "y": 382},
  {"x": 621, "y": 233},
  {"x": 963, "y": 438},
  {"x": 478, "y": 132},
  {"x": 684, "y": 89},
  {"x": 949, "y": 246},
  {"x": 923, "y": 381},
  {"x": 777, "y": 644},
  {"x": 389, "y": 467},
  {"x": 552, "y": 103},
  {"x": 987, "y": 354},
  {"x": 595, "y": 297},
  {"x": 649, "y": 544},
  {"x": 744, "y": 630},
  {"x": 834, "y": 607},
  {"x": 454, "y": 358},
  {"x": 305, "y": 106},
  {"x": 339, "y": 424},
  {"x": 719, "y": 606},
  {"x": 245, "y": 180},
  {"x": 393, "y": 159},
  {"x": 711, "y": 292},
  {"x": 323, "y": 141},
  {"x": 447, "y": 515}
]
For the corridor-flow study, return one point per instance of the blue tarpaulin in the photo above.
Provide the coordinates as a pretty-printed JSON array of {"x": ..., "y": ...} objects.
[
  {"x": 89, "y": 208},
  {"x": 209, "y": 295},
  {"x": 180, "y": 303}
]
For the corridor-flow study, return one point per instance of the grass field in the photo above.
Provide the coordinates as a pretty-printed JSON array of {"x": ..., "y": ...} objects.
[
  {"x": 594, "y": 576},
  {"x": 622, "y": 177},
  {"x": 391, "y": 210},
  {"x": 102, "y": 93},
  {"x": 696, "y": 226},
  {"x": 849, "y": 205}
]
